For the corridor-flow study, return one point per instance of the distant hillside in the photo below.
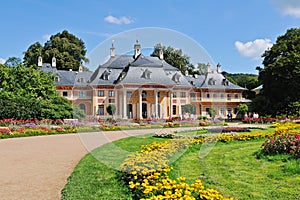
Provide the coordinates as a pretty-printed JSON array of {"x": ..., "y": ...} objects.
[{"x": 249, "y": 81}]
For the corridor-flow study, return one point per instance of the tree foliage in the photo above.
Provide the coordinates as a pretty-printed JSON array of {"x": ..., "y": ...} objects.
[
  {"x": 66, "y": 47},
  {"x": 249, "y": 81},
  {"x": 111, "y": 109},
  {"x": 281, "y": 74},
  {"x": 27, "y": 93},
  {"x": 174, "y": 57},
  {"x": 242, "y": 109}
]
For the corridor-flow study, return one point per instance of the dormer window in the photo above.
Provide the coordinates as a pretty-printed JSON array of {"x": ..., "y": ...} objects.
[
  {"x": 80, "y": 80},
  {"x": 56, "y": 79},
  {"x": 211, "y": 81},
  {"x": 176, "y": 77},
  {"x": 105, "y": 75},
  {"x": 146, "y": 74},
  {"x": 225, "y": 82}
]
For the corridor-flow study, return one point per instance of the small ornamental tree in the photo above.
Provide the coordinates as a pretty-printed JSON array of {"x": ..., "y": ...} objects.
[
  {"x": 242, "y": 109},
  {"x": 212, "y": 112},
  {"x": 111, "y": 109}
]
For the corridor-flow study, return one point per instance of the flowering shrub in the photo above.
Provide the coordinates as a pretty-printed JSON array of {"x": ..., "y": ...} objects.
[
  {"x": 5, "y": 130},
  {"x": 146, "y": 173},
  {"x": 283, "y": 144}
]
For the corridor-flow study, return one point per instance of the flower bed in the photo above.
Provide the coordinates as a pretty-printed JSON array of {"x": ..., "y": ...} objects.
[
  {"x": 146, "y": 174},
  {"x": 283, "y": 144}
]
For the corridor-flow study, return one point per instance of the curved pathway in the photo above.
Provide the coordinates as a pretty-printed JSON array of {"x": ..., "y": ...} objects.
[{"x": 38, "y": 167}]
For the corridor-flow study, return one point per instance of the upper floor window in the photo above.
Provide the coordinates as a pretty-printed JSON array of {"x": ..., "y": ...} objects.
[
  {"x": 228, "y": 96},
  {"x": 222, "y": 95},
  {"x": 214, "y": 95},
  {"x": 129, "y": 94},
  {"x": 144, "y": 94},
  {"x": 174, "y": 94},
  {"x": 101, "y": 93},
  {"x": 81, "y": 94},
  {"x": 182, "y": 94},
  {"x": 207, "y": 95},
  {"x": 111, "y": 93},
  {"x": 236, "y": 96},
  {"x": 193, "y": 95}
]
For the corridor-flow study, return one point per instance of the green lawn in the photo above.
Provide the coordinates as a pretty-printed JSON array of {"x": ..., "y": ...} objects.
[
  {"x": 95, "y": 176},
  {"x": 231, "y": 168}
]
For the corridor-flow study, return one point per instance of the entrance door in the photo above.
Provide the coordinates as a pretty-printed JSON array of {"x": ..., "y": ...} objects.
[
  {"x": 144, "y": 110},
  {"x": 129, "y": 111}
]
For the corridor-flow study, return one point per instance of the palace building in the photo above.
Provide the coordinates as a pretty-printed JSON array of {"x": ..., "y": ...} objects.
[{"x": 145, "y": 87}]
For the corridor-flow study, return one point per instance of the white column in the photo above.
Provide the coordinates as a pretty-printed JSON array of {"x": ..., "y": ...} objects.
[
  {"x": 171, "y": 103},
  {"x": 124, "y": 104},
  {"x": 140, "y": 116},
  {"x": 155, "y": 103}
]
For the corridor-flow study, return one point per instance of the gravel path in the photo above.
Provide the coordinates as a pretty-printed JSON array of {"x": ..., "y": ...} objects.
[{"x": 38, "y": 167}]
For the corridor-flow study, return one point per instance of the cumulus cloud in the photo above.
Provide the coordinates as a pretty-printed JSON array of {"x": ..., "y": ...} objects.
[
  {"x": 2, "y": 60},
  {"x": 288, "y": 7},
  {"x": 253, "y": 49},
  {"x": 120, "y": 20}
]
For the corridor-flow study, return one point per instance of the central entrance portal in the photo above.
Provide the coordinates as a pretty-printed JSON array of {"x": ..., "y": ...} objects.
[{"x": 144, "y": 110}]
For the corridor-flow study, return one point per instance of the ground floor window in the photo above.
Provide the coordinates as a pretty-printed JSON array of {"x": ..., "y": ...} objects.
[
  {"x": 222, "y": 111},
  {"x": 65, "y": 93},
  {"x": 174, "y": 109},
  {"x": 207, "y": 111},
  {"x": 101, "y": 110},
  {"x": 82, "y": 107}
]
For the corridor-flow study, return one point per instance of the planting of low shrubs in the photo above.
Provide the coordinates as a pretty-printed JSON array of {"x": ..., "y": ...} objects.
[{"x": 283, "y": 144}]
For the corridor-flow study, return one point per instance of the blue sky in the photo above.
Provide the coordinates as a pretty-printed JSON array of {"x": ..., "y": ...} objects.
[{"x": 233, "y": 32}]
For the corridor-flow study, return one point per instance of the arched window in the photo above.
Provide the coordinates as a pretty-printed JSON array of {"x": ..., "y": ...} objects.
[{"x": 82, "y": 107}]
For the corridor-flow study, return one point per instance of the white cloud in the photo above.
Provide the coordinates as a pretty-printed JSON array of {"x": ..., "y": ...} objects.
[
  {"x": 120, "y": 20},
  {"x": 288, "y": 7},
  {"x": 253, "y": 49},
  {"x": 2, "y": 60},
  {"x": 46, "y": 37}
]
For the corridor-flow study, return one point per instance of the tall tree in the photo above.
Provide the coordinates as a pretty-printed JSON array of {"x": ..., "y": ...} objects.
[
  {"x": 32, "y": 54},
  {"x": 281, "y": 73},
  {"x": 174, "y": 57},
  {"x": 67, "y": 48}
]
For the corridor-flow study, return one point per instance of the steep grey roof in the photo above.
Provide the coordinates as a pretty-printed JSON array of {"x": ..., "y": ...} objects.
[
  {"x": 99, "y": 79},
  {"x": 46, "y": 67},
  {"x": 117, "y": 62},
  {"x": 155, "y": 70},
  {"x": 213, "y": 80},
  {"x": 114, "y": 66},
  {"x": 72, "y": 78}
]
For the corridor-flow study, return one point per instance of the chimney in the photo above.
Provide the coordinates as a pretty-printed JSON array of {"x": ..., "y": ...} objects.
[
  {"x": 208, "y": 68},
  {"x": 40, "y": 61},
  {"x": 161, "y": 54},
  {"x": 219, "y": 68},
  {"x": 112, "y": 50},
  {"x": 53, "y": 62},
  {"x": 137, "y": 49}
]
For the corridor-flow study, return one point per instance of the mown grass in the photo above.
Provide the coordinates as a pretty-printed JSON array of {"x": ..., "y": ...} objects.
[
  {"x": 231, "y": 168},
  {"x": 96, "y": 175},
  {"x": 234, "y": 170}
]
